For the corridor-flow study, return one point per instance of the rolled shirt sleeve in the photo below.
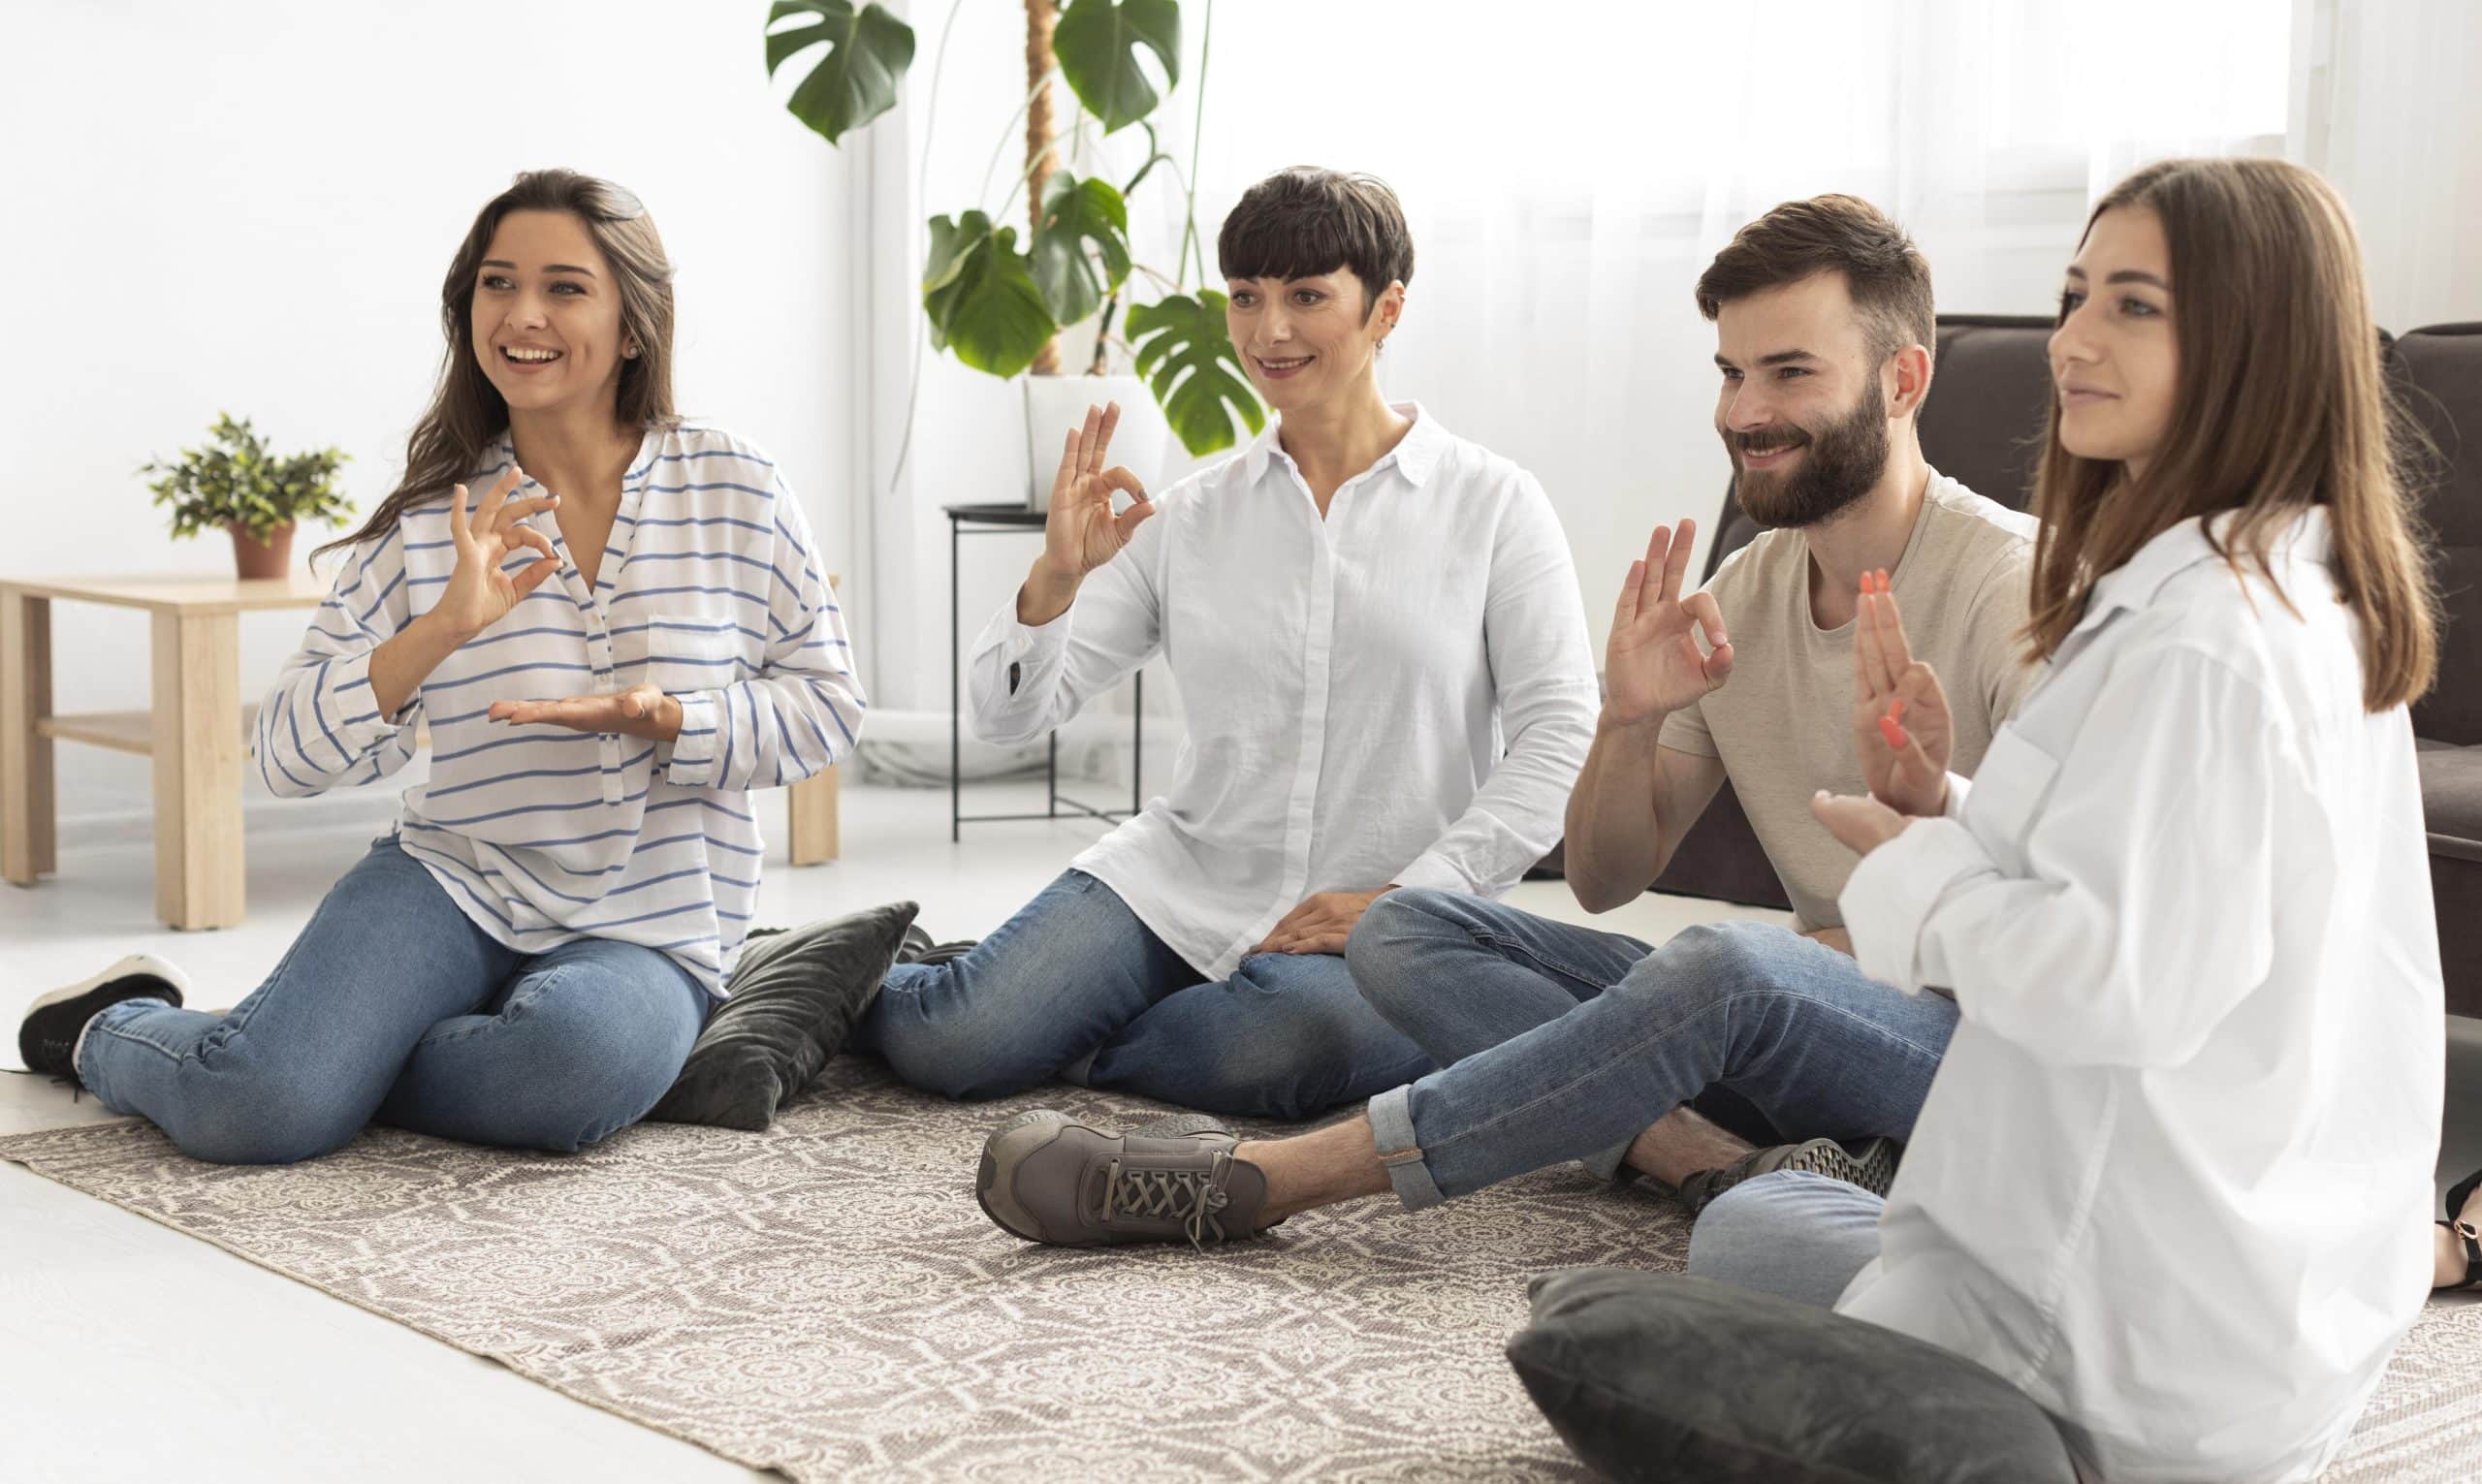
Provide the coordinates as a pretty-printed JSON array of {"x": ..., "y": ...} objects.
[
  {"x": 802, "y": 713},
  {"x": 320, "y": 727},
  {"x": 1028, "y": 679}
]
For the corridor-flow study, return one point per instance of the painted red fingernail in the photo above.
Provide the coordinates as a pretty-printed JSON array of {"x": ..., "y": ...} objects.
[
  {"x": 1895, "y": 709},
  {"x": 1891, "y": 732}
]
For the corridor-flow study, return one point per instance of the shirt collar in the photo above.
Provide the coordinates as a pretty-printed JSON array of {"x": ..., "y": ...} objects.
[
  {"x": 1416, "y": 455},
  {"x": 2308, "y": 540}
]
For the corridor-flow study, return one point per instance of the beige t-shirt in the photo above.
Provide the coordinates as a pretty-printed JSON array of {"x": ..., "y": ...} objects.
[{"x": 1783, "y": 723}]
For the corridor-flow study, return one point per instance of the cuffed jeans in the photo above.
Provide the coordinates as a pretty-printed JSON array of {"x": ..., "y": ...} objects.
[
  {"x": 393, "y": 1005},
  {"x": 1559, "y": 1042},
  {"x": 1075, "y": 986}
]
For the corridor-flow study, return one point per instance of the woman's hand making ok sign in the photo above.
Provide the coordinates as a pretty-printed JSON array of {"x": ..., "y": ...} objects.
[
  {"x": 1080, "y": 531},
  {"x": 480, "y": 593}
]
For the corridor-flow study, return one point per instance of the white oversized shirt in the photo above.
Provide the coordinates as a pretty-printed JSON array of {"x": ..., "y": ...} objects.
[
  {"x": 2172, "y": 1178},
  {"x": 1345, "y": 686},
  {"x": 710, "y": 587}
]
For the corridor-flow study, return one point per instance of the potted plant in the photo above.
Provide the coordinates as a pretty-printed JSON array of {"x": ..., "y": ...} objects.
[
  {"x": 237, "y": 483},
  {"x": 1000, "y": 307}
]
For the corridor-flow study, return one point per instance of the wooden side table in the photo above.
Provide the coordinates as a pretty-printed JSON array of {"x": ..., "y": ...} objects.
[{"x": 197, "y": 731}]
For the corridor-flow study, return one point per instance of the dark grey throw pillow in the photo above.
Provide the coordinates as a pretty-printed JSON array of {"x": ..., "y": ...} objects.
[
  {"x": 795, "y": 998},
  {"x": 1659, "y": 1376}
]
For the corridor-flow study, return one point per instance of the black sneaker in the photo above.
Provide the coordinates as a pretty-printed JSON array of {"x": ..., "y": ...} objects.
[
  {"x": 1048, "y": 1177},
  {"x": 1870, "y": 1164},
  {"x": 918, "y": 948},
  {"x": 53, "y": 1023}
]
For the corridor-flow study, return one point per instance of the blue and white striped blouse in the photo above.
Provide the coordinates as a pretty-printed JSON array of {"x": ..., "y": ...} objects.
[{"x": 711, "y": 588}]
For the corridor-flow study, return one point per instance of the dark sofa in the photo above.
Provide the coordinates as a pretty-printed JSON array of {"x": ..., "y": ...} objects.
[{"x": 1984, "y": 424}]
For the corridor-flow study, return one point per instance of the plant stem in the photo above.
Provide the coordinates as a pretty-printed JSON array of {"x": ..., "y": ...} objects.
[
  {"x": 1198, "y": 139},
  {"x": 1040, "y": 160},
  {"x": 1007, "y": 134},
  {"x": 1103, "y": 334}
]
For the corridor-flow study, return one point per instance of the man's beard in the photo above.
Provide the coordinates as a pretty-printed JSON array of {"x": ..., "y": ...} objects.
[{"x": 1846, "y": 457}]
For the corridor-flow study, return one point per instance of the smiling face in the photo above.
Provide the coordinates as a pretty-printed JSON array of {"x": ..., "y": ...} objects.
[
  {"x": 1803, "y": 409},
  {"x": 1306, "y": 341},
  {"x": 546, "y": 314},
  {"x": 2116, "y": 363}
]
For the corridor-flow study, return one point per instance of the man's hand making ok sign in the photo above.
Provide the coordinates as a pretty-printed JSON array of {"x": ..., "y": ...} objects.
[{"x": 1652, "y": 665}]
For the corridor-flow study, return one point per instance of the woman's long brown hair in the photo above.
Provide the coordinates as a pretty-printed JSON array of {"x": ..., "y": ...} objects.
[
  {"x": 2280, "y": 404},
  {"x": 467, "y": 414}
]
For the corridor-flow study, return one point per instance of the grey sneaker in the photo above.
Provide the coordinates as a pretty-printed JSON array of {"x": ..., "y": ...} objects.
[
  {"x": 1870, "y": 1164},
  {"x": 1047, "y": 1177}
]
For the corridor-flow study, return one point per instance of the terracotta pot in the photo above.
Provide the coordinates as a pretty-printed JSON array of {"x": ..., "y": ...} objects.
[{"x": 261, "y": 560}]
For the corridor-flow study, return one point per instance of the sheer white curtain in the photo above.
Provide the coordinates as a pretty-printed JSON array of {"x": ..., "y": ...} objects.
[{"x": 1569, "y": 168}]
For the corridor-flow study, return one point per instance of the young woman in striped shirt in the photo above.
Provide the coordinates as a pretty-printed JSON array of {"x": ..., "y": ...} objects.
[{"x": 527, "y": 961}]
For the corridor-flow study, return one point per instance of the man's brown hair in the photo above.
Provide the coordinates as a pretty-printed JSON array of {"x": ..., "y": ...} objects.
[{"x": 1887, "y": 276}]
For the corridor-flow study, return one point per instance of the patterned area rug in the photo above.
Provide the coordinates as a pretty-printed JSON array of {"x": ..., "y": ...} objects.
[{"x": 826, "y": 1300}]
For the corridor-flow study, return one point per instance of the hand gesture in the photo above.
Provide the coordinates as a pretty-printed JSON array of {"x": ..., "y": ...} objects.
[
  {"x": 641, "y": 711},
  {"x": 1863, "y": 825},
  {"x": 1321, "y": 924},
  {"x": 1652, "y": 664},
  {"x": 479, "y": 592},
  {"x": 1080, "y": 532},
  {"x": 1900, "y": 718}
]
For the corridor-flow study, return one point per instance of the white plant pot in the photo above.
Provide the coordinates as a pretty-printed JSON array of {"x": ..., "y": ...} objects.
[{"x": 1055, "y": 404}]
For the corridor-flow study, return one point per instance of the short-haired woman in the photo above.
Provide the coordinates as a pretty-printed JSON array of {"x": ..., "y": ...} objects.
[{"x": 1375, "y": 630}]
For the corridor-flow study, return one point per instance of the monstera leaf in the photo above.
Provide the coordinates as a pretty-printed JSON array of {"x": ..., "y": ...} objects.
[
  {"x": 1186, "y": 355},
  {"x": 982, "y": 296},
  {"x": 1076, "y": 212},
  {"x": 1098, "y": 42},
  {"x": 868, "y": 50}
]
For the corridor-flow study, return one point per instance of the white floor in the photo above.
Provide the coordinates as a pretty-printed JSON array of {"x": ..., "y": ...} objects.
[{"x": 128, "y": 1352}]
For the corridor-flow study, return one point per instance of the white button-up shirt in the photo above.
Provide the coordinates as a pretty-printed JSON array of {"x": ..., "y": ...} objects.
[
  {"x": 1347, "y": 685},
  {"x": 2173, "y": 1177}
]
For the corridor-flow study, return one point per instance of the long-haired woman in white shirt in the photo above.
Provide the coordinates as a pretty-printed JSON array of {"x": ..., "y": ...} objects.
[
  {"x": 1376, "y": 634},
  {"x": 611, "y": 626},
  {"x": 2172, "y": 1178}
]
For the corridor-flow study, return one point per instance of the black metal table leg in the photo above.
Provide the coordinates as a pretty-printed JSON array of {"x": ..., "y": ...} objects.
[{"x": 956, "y": 699}]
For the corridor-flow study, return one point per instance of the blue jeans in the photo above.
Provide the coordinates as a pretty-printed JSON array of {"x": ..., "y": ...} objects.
[
  {"x": 1792, "y": 1234},
  {"x": 393, "y": 1005},
  {"x": 1075, "y": 986},
  {"x": 1564, "y": 1043}
]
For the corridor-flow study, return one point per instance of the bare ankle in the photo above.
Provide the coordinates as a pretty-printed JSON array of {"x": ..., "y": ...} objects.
[
  {"x": 1318, "y": 1168},
  {"x": 1681, "y": 1144}
]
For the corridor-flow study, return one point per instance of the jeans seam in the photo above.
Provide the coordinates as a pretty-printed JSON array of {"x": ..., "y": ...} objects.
[
  {"x": 508, "y": 1011},
  {"x": 1638, "y": 1043},
  {"x": 1510, "y": 947}
]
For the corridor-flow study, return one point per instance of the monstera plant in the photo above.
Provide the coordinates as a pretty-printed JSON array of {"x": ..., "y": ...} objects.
[{"x": 999, "y": 301}]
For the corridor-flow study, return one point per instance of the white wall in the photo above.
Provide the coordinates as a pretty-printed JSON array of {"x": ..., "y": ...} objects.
[
  {"x": 2388, "y": 104},
  {"x": 249, "y": 206}
]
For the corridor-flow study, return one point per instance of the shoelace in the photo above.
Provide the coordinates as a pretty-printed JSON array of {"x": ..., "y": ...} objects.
[{"x": 1190, "y": 1197}]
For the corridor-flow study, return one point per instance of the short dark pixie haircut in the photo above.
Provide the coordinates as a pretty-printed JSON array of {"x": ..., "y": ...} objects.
[
  {"x": 1887, "y": 276},
  {"x": 1305, "y": 221}
]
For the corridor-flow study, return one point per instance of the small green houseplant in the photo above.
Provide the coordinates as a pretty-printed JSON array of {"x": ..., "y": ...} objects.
[
  {"x": 1000, "y": 306},
  {"x": 235, "y": 483}
]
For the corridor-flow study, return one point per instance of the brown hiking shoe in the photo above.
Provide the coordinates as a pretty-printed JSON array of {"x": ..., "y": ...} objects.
[
  {"x": 1047, "y": 1177},
  {"x": 1870, "y": 1164}
]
